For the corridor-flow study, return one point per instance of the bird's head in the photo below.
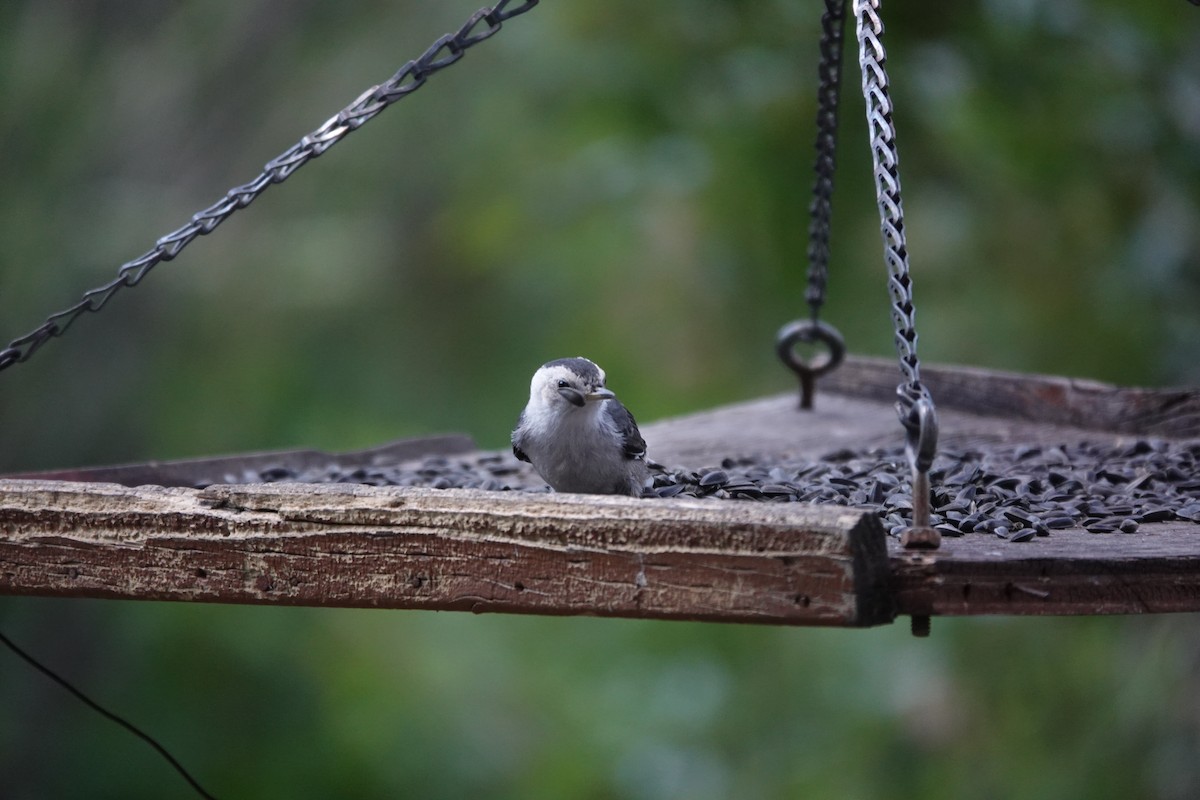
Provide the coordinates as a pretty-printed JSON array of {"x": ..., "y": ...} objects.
[{"x": 568, "y": 383}]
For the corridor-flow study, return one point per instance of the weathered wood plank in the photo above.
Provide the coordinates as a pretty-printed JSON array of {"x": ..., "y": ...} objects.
[
  {"x": 362, "y": 546},
  {"x": 1048, "y": 399},
  {"x": 1069, "y": 572},
  {"x": 772, "y": 428},
  {"x": 853, "y": 409}
]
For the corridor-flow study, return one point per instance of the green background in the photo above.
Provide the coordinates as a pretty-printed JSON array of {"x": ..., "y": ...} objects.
[{"x": 623, "y": 180}]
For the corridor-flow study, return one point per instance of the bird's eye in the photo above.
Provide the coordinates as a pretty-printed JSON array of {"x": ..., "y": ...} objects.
[{"x": 562, "y": 384}]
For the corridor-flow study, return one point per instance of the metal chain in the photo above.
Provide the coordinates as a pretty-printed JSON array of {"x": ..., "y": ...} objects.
[
  {"x": 829, "y": 72},
  {"x": 412, "y": 76},
  {"x": 915, "y": 405},
  {"x": 813, "y": 330}
]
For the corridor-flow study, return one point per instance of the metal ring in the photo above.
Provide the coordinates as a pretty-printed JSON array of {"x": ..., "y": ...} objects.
[{"x": 809, "y": 332}]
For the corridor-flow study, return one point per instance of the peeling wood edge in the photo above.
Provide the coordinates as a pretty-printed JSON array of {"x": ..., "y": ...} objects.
[{"x": 361, "y": 546}]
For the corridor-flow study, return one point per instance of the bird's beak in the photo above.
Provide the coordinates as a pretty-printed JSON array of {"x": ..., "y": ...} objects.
[
  {"x": 599, "y": 394},
  {"x": 572, "y": 396}
]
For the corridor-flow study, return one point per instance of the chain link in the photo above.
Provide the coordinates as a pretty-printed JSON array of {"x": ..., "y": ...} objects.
[
  {"x": 882, "y": 132},
  {"x": 829, "y": 72},
  {"x": 813, "y": 331},
  {"x": 448, "y": 49},
  {"x": 915, "y": 405}
]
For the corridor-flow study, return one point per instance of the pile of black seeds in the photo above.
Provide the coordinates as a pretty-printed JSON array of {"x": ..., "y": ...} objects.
[
  {"x": 1014, "y": 492},
  {"x": 489, "y": 471}
]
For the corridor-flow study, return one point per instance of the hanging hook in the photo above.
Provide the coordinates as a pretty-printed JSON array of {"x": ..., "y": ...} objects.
[
  {"x": 809, "y": 332},
  {"x": 921, "y": 430},
  {"x": 920, "y": 446}
]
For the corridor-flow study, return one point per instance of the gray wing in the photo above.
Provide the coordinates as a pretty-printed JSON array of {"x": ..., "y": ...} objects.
[
  {"x": 517, "y": 439},
  {"x": 632, "y": 443}
]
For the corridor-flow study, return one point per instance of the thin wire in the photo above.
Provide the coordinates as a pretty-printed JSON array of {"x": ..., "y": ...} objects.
[{"x": 147, "y": 738}]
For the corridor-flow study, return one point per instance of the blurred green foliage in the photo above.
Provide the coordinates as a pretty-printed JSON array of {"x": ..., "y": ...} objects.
[{"x": 623, "y": 180}]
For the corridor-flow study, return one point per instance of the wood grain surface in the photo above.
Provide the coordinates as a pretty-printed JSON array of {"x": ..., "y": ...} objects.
[{"x": 361, "y": 546}]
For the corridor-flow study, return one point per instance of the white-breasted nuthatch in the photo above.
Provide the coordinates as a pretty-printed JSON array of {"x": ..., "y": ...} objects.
[{"x": 577, "y": 435}]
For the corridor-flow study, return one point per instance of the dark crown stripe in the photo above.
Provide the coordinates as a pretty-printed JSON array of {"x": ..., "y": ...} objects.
[{"x": 580, "y": 366}]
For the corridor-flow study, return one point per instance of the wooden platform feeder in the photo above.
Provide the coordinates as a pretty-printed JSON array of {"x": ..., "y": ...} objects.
[
  {"x": 140, "y": 532},
  {"x": 145, "y": 531}
]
